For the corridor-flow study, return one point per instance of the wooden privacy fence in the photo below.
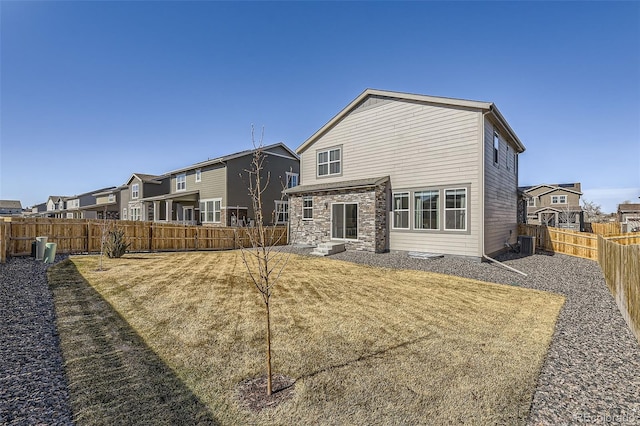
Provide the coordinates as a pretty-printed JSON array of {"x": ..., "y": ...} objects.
[
  {"x": 610, "y": 228},
  {"x": 85, "y": 236},
  {"x": 621, "y": 268}
]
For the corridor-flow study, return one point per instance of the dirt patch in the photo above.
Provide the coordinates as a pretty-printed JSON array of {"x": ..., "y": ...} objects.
[{"x": 252, "y": 393}]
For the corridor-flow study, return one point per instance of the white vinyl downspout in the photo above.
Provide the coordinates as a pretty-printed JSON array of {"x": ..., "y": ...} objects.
[{"x": 482, "y": 198}]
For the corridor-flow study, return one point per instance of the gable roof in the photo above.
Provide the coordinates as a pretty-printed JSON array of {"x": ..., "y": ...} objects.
[
  {"x": 551, "y": 189},
  {"x": 145, "y": 178},
  {"x": 267, "y": 149},
  {"x": 483, "y": 106}
]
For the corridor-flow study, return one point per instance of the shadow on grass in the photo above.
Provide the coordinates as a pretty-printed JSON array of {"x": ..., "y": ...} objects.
[
  {"x": 377, "y": 354},
  {"x": 113, "y": 376}
]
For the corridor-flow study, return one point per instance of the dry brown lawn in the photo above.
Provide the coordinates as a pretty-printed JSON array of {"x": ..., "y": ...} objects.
[{"x": 365, "y": 345}]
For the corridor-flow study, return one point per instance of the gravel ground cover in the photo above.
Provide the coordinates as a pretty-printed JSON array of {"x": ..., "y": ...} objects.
[
  {"x": 33, "y": 389},
  {"x": 591, "y": 374}
]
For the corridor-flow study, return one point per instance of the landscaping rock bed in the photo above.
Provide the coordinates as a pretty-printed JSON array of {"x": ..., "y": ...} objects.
[{"x": 33, "y": 389}]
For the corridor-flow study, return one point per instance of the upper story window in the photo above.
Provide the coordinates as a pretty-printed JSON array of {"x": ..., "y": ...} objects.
[
  {"x": 198, "y": 175},
  {"x": 496, "y": 148},
  {"x": 531, "y": 202},
  {"x": 401, "y": 210},
  {"x": 455, "y": 209},
  {"x": 330, "y": 162},
  {"x": 558, "y": 199},
  {"x": 181, "y": 182},
  {"x": 292, "y": 179},
  {"x": 508, "y": 158},
  {"x": 112, "y": 198},
  {"x": 135, "y": 190},
  {"x": 307, "y": 208}
]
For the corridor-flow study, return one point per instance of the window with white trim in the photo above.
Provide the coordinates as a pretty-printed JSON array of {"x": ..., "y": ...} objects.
[
  {"x": 455, "y": 209},
  {"x": 124, "y": 213},
  {"x": 111, "y": 198},
  {"x": 135, "y": 213},
  {"x": 282, "y": 211},
  {"x": 496, "y": 148},
  {"x": 292, "y": 179},
  {"x": 508, "y": 158},
  {"x": 401, "y": 210},
  {"x": 330, "y": 162},
  {"x": 307, "y": 208},
  {"x": 181, "y": 182},
  {"x": 135, "y": 191},
  {"x": 558, "y": 199},
  {"x": 210, "y": 210},
  {"x": 531, "y": 202},
  {"x": 198, "y": 175},
  {"x": 426, "y": 209}
]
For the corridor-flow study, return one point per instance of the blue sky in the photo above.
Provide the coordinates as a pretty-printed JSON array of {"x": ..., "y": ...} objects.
[{"x": 94, "y": 91}]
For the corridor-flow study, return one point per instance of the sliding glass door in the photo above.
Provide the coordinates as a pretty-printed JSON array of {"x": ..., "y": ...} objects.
[{"x": 344, "y": 221}]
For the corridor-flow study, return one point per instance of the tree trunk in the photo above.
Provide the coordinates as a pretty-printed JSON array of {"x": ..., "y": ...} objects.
[{"x": 268, "y": 350}]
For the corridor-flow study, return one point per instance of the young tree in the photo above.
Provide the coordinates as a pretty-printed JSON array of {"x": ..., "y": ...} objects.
[
  {"x": 263, "y": 262},
  {"x": 592, "y": 211},
  {"x": 104, "y": 235}
]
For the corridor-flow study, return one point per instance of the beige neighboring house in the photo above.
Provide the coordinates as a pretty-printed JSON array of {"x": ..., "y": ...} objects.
[
  {"x": 629, "y": 216},
  {"x": 399, "y": 171},
  {"x": 139, "y": 186},
  {"x": 555, "y": 205}
]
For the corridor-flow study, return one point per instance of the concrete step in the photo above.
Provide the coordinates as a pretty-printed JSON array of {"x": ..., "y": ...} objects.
[{"x": 329, "y": 248}]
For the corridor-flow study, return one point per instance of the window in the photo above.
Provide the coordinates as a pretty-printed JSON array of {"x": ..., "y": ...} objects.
[
  {"x": 496, "y": 147},
  {"x": 307, "y": 208},
  {"x": 135, "y": 213},
  {"x": 292, "y": 179},
  {"x": 210, "y": 210},
  {"x": 558, "y": 199},
  {"x": 198, "y": 175},
  {"x": 531, "y": 202},
  {"x": 508, "y": 158},
  {"x": 69, "y": 215},
  {"x": 112, "y": 198},
  {"x": 135, "y": 191},
  {"x": 344, "y": 221},
  {"x": 426, "y": 204},
  {"x": 455, "y": 209},
  {"x": 181, "y": 182},
  {"x": 124, "y": 213},
  {"x": 515, "y": 163},
  {"x": 329, "y": 162},
  {"x": 401, "y": 210},
  {"x": 282, "y": 212}
]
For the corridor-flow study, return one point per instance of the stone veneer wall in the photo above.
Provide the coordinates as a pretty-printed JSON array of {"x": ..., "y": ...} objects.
[{"x": 372, "y": 217}]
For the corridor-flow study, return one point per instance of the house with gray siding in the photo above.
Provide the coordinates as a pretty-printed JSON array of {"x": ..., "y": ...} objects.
[
  {"x": 10, "y": 208},
  {"x": 82, "y": 206},
  {"x": 399, "y": 171},
  {"x": 134, "y": 191},
  {"x": 215, "y": 192}
]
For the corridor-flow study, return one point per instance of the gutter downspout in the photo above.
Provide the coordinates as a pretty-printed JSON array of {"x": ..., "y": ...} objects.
[{"x": 482, "y": 223}]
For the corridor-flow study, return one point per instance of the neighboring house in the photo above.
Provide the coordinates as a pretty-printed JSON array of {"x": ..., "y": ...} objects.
[
  {"x": 135, "y": 190},
  {"x": 554, "y": 205},
  {"x": 107, "y": 202},
  {"x": 39, "y": 210},
  {"x": 398, "y": 171},
  {"x": 629, "y": 213},
  {"x": 10, "y": 208},
  {"x": 83, "y": 206},
  {"x": 56, "y": 206},
  {"x": 215, "y": 192}
]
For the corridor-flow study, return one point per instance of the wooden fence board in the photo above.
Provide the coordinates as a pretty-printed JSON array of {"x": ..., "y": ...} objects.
[{"x": 85, "y": 236}]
